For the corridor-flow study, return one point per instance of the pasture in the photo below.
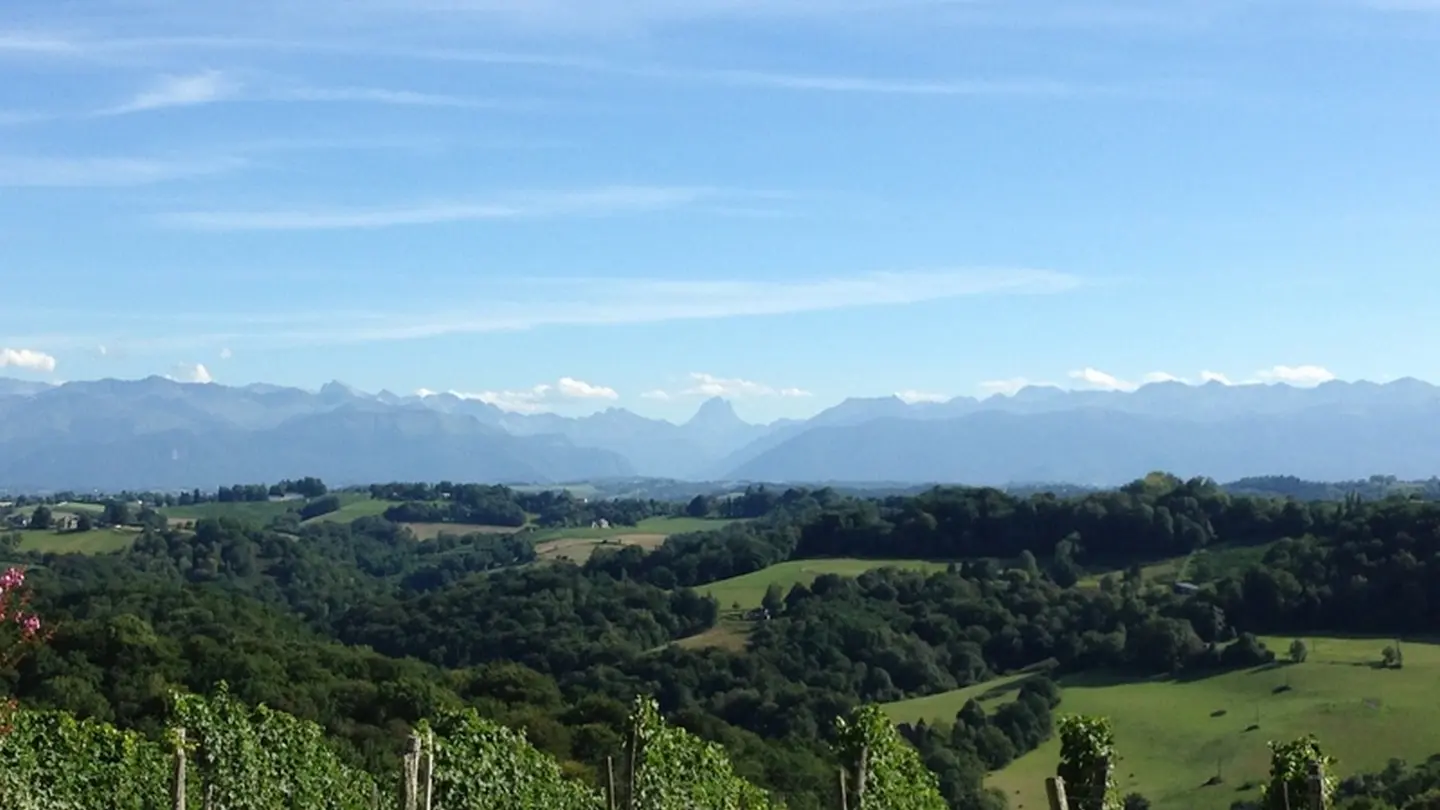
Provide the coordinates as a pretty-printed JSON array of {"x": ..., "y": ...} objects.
[
  {"x": 96, "y": 541},
  {"x": 748, "y": 590},
  {"x": 353, "y": 506},
  {"x": 430, "y": 531},
  {"x": 578, "y": 543},
  {"x": 252, "y": 511},
  {"x": 1174, "y": 736}
]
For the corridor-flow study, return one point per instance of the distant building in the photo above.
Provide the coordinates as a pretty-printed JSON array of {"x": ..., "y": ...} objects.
[
  {"x": 64, "y": 522},
  {"x": 602, "y": 523}
]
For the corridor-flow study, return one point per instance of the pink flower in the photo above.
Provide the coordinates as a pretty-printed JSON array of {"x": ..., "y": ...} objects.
[{"x": 31, "y": 625}]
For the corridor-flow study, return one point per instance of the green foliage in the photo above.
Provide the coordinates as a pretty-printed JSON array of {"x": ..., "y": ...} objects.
[
  {"x": 51, "y": 761},
  {"x": 1291, "y": 766},
  {"x": 262, "y": 759},
  {"x": 675, "y": 770},
  {"x": 480, "y": 765},
  {"x": 1087, "y": 763},
  {"x": 894, "y": 776}
]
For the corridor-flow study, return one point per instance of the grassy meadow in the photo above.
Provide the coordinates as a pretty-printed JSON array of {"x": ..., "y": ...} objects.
[
  {"x": 353, "y": 506},
  {"x": 749, "y": 589},
  {"x": 96, "y": 541},
  {"x": 1173, "y": 736},
  {"x": 256, "y": 511}
]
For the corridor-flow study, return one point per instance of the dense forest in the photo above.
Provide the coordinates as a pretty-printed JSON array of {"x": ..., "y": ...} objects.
[{"x": 364, "y": 630}]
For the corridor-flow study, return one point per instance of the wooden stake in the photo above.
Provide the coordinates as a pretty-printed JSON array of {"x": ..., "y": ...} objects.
[
  {"x": 844, "y": 800},
  {"x": 1055, "y": 792},
  {"x": 178, "y": 786},
  {"x": 610, "y": 783},
  {"x": 429, "y": 760}
]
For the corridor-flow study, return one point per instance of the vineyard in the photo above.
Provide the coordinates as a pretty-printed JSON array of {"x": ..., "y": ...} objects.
[{"x": 219, "y": 754}]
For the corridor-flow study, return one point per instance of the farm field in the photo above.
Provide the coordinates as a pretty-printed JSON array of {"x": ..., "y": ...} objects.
[
  {"x": 429, "y": 531},
  {"x": 353, "y": 506},
  {"x": 257, "y": 511},
  {"x": 748, "y": 590},
  {"x": 946, "y": 705},
  {"x": 1173, "y": 736},
  {"x": 1200, "y": 567},
  {"x": 96, "y": 541},
  {"x": 657, "y": 525},
  {"x": 577, "y": 544}
]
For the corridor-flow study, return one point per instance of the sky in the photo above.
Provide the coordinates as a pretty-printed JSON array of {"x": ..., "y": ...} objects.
[{"x": 571, "y": 205}]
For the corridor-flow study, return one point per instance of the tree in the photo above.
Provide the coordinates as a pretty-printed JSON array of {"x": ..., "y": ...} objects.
[
  {"x": 1135, "y": 801},
  {"x": 84, "y": 523},
  {"x": 1298, "y": 651},
  {"x": 698, "y": 507},
  {"x": 1389, "y": 657},
  {"x": 774, "y": 599},
  {"x": 117, "y": 513},
  {"x": 1029, "y": 565},
  {"x": 41, "y": 517}
]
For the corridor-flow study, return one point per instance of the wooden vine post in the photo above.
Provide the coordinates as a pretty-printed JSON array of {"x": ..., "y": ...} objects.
[
  {"x": 1316, "y": 784},
  {"x": 410, "y": 776},
  {"x": 177, "y": 800},
  {"x": 1055, "y": 792}
]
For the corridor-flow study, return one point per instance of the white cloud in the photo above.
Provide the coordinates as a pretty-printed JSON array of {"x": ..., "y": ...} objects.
[
  {"x": 46, "y": 172},
  {"x": 226, "y": 354},
  {"x": 28, "y": 359},
  {"x": 188, "y": 373},
  {"x": 1215, "y": 376},
  {"x": 911, "y": 397},
  {"x": 579, "y": 389},
  {"x": 525, "y": 205},
  {"x": 656, "y": 394},
  {"x": 497, "y": 306},
  {"x": 102, "y": 350},
  {"x": 206, "y": 87},
  {"x": 1161, "y": 376},
  {"x": 1296, "y": 375},
  {"x": 535, "y": 399},
  {"x": 709, "y": 385},
  {"x": 1007, "y": 387},
  {"x": 1101, "y": 380}
]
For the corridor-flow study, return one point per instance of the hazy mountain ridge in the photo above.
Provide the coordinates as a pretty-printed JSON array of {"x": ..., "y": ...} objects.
[{"x": 161, "y": 433}]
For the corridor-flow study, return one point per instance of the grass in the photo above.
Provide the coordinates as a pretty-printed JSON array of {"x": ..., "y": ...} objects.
[
  {"x": 430, "y": 531},
  {"x": 354, "y": 506},
  {"x": 748, "y": 590},
  {"x": 254, "y": 511},
  {"x": 1173, "y": 736},
  {"x": 580, "y": 549},
  {"x": 656, "y": 525},
  {"x": 96, "y": 541},
  {"x": 946, "y": 705},
  {"x": 1199, "y": 567},
  {"x": 729, "y": 634}
]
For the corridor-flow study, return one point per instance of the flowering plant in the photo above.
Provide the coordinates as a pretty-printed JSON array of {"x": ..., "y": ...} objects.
[{"x": 14, "y": 612}]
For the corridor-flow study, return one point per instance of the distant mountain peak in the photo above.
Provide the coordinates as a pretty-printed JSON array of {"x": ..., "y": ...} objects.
[{"x": 716, "y": 412}]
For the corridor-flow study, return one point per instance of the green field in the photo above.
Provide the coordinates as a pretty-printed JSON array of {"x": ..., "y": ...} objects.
[
  {"x": 96, "y": 541},
  {"x": 1202, "y": 566},
  {"x": 749, "y": 589},
  {"x": 256, "y": 511},
  {"x": 354, "y": 506},
  {"x": 944, "y": 706},
  {"x": 1173, "y": 736},
  {"x": 656, "y": 525}
]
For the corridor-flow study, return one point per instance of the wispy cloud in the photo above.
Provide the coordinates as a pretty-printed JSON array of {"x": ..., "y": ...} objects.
[
  {"x": 572, "y": 302},
  {"x": 28, "y": 359},
  {"x": 523, "y": 205},
  {"x": 1295, "y": 375},
  {"x": 537, "y": 398},
  {"x": 1095, "y": 378},
  {"x": 190, "y": 373},
  {"x": 214, "y": 86},
  {"x": 47, "y": 172},
  {"x": 709, "y": 385},
  {"x": 912, "y": 397},
  {"x": 179, "y": 91},
  {"x": 1006, "y": 387}
]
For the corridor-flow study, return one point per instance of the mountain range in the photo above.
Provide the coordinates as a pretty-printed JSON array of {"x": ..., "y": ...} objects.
[{"x": 158, "y": 433}]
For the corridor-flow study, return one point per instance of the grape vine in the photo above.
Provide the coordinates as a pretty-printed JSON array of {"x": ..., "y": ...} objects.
[
  {"x": 1087, "y": 763},
  {"x": 675, "y": 770},
  {"x": 887, "y": 772},
  {"x": 261, "y": 759},
  {"x": 480, "y": 765},
  {"x": 51, "y": 761},
  {"x": 1292, "y": 765}
]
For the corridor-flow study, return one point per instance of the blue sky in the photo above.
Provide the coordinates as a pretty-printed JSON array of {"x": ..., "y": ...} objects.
[{"x": 570, "y": 205}]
